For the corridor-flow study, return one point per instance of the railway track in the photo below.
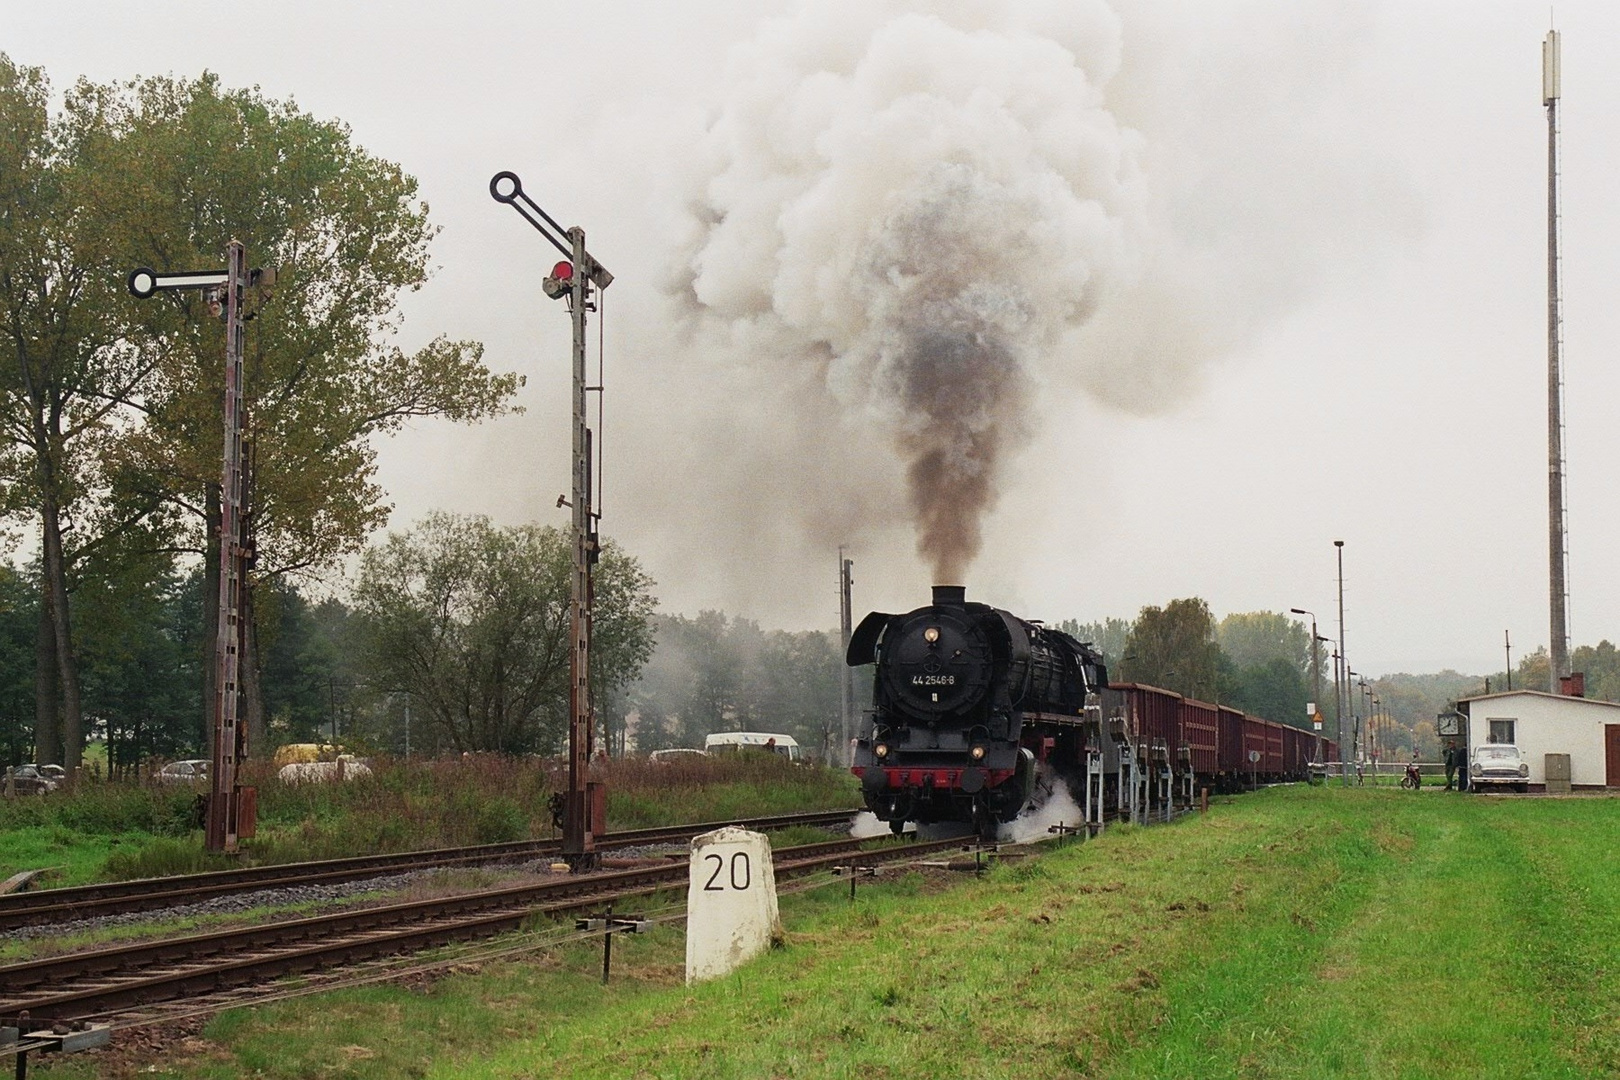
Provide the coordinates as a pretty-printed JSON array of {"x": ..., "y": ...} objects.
[
  {"x": 150, "y": 894},
  {"x": 100, "y": 984}
]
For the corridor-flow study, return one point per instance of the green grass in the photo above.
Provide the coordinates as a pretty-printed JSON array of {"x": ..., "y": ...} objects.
[
  {"x": 70, "y": 857},
  {"x": 1289, "y": 933}
]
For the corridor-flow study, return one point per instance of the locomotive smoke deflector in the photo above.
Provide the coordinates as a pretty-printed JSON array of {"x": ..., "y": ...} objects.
[{"x": 863, "y": 642}]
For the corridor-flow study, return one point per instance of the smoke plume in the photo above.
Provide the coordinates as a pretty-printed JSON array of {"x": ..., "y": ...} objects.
[
  {"x": 907, "y": 238},
  {"x": 917, "y": 205}
]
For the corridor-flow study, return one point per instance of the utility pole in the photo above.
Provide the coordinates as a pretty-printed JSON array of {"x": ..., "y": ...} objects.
[
  {"x": 584, "y": 803},
  {"x": 1558, "y": 535},
  {"x": 1507, "y": 644},
  {"x": 1338, "y": 705},
  {"x": 225, "y": 292},
  {"x": 846, "y": 622},
  {"x": 1344, "y": 758},
  {"x": 1352, "y": 680},
  {"x": 1316, "y": 677}
]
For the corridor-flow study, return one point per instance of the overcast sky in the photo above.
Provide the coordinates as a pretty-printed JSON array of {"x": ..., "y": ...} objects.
[{"x": 1359, "y": 188}]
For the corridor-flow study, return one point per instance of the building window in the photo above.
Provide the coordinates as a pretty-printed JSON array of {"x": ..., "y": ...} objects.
[{"x": 1501, "y": 731}]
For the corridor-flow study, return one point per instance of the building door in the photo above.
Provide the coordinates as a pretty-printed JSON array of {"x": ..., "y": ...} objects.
[{"x": 1611, "y": 754}]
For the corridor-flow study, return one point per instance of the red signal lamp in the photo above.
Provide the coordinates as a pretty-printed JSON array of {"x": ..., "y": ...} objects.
[{"x": 560, "y": 282}]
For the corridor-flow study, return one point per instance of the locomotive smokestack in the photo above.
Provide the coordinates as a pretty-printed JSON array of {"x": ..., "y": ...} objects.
[{"x": 950, "y": 595}]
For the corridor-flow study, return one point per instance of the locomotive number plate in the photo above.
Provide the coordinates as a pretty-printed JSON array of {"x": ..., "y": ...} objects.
[{"x": 933, "y": 680}]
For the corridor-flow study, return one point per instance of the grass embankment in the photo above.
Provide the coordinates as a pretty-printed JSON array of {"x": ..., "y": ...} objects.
[
  {"x": 108, "y": 830},
  {"x": 1291, "y": 933}
]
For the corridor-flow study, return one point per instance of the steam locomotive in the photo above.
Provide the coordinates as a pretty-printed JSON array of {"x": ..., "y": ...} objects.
[{"x": 971, "y": 705}]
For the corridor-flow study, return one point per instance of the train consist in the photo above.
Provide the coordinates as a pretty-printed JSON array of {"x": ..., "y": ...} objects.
[{"x": 972, "y": 704}]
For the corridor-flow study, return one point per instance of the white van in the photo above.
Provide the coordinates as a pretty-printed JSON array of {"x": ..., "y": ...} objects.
[{"x": 785, "y": 745}]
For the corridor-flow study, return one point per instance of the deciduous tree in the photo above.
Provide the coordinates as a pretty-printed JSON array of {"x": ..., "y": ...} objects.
[
  {"x": 1107, "y": 635},
  {"x": 110, "y": 408},
  {"x": 67, "y": 370},
  {"x": 472, "y": 622},
  {"x": 1174, "y": 647}
]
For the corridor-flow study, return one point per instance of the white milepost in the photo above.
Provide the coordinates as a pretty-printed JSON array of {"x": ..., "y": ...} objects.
[{"x": 731, "y": 913}]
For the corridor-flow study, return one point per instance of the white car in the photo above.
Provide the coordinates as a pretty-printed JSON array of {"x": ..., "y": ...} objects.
[
  {"x": 674, "y": 754},
  {"x": 191, "y": 771},
  {"x": 1499, "y": 765}
]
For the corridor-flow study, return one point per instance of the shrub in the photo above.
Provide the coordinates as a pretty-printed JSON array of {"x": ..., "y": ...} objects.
[
  {"x": 501, "y": 820},
  {"x": 164, "y": 856}
]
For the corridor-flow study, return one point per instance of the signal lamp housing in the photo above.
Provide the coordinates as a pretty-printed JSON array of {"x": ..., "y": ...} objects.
[{"x": 560, "y": 282}]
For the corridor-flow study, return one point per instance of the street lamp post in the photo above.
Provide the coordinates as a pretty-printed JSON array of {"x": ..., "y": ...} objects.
[
  {"x": 1375, "y": 725},
  {"x": 1316, "y": 677},
  {"x": 1364, "y": 724}
]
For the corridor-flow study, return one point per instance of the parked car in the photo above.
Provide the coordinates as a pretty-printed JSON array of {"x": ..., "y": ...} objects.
[
  {"x": 28, "y": 780},
  {"x": 675, "y": 754},
  {"x": 54, "y": 772},
  {"x": 1499, "y": 765},
  {"x": 737, "y": 741},
  {"x": 193, "y": 771}
]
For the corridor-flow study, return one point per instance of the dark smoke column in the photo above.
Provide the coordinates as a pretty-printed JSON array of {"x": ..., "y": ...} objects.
[{"x": 956, "y": 334}]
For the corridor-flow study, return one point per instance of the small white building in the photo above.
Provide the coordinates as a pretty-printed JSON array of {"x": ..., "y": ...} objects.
[{"x": 1539, "y": 723}]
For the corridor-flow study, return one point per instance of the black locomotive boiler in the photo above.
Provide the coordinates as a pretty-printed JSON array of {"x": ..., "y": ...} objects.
[{"x": 967, "y": 699}]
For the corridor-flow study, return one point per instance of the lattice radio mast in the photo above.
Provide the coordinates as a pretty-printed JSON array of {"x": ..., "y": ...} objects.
[{"x": 1557, "y": 521}]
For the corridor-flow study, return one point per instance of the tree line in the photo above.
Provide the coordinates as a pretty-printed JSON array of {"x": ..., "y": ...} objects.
[
  {"x": 717, "y": 672},
  {"x": 453, "y": 640}
]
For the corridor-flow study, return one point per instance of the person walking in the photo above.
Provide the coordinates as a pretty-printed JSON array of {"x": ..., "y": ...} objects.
[{"x": 1451, "y": 765}]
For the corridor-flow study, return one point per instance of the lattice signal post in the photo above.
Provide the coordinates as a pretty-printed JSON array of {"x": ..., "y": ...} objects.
[
  {"x": 573, "y": 280},
  {"x": 226, "y": 293}
]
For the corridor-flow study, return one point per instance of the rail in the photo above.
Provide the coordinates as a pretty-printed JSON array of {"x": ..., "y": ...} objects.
[
  {"x": 148, "y": 894},
  {"x": 97, "y": 983}
]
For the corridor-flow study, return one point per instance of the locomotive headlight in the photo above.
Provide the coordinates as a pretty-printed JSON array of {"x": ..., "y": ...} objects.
[
  {"x": 977, "y": 753},
  {"x": 931, "y": 634},
  {"x": 881, "y": 750}
]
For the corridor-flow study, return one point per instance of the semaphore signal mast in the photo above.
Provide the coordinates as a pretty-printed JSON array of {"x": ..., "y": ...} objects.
[
  {"x": 231, "y": 807},
  {"x": 578, "y": 280}
]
